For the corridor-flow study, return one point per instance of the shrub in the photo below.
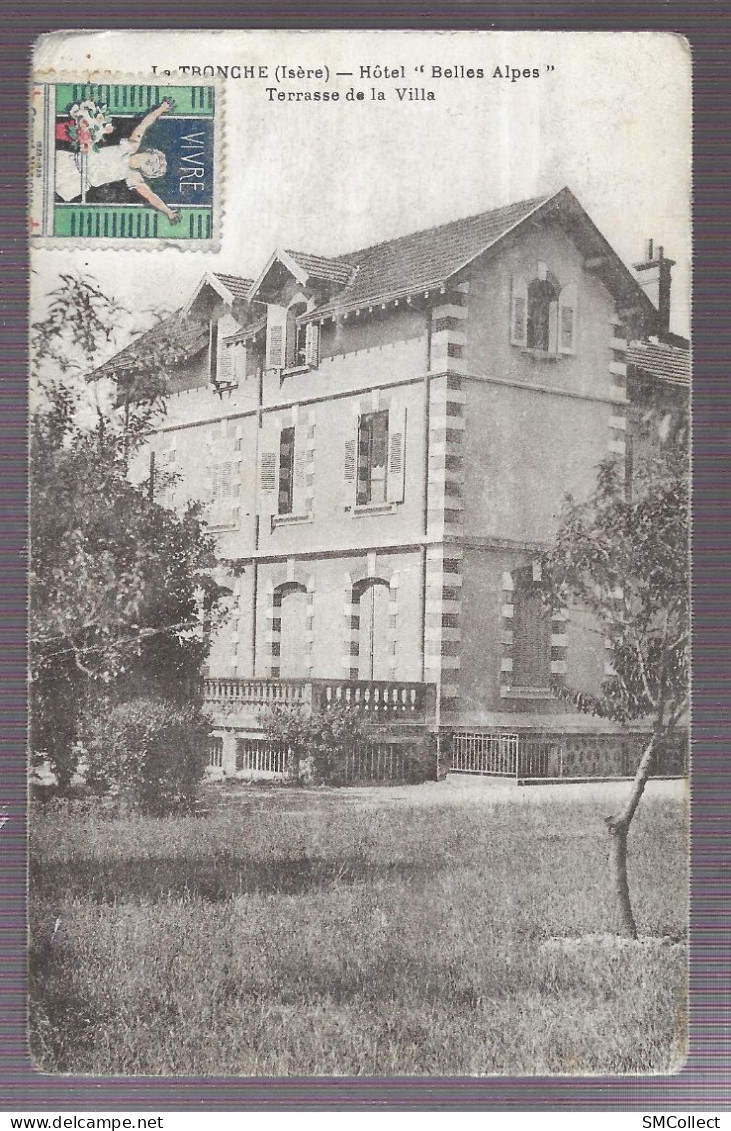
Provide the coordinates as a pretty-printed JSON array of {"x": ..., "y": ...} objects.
[
  {"x": 149, "y": 753},
  {"x": 320, "y": 744},
  {"x": 336, "y": 746}
]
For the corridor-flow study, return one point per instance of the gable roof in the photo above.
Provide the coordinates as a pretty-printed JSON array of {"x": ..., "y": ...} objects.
[
  {"x": 230, "y": 288},
  {"x": 177, "y": 335},
  {"x": 429, "y": 259},
  {"x": 418, "y": 262},
  {"x": 425, "y": 259},
  {"x": 234, "y": 284},
  {"x": 659, "y": 359},
  {"x": 320, "y": 267}
]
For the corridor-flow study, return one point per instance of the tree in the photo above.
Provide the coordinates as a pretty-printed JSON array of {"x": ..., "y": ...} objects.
[
  {"x": 122, "y": 598},
  {"x": 626, "y": 561}
]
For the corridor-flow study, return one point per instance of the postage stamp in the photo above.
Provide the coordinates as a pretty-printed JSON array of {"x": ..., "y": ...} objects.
[{"x": 123, "y": 161}]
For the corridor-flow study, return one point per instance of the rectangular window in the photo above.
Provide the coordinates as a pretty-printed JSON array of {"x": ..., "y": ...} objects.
[
  {"x": 215, "y": 752},
  {"x": 531, "y": 634},
  {"x": 300, "y": 345},
  {"x": 286, "y": 471},
  {"x": 372, "y": 458},
  {"x": 295, "y": 350}
]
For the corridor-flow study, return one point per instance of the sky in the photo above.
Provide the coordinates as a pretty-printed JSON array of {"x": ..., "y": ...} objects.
[{"x": 609, "y": 115}]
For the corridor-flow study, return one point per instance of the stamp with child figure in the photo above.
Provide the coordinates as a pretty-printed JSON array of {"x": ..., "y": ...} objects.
[{"x": 123, "y": 161}]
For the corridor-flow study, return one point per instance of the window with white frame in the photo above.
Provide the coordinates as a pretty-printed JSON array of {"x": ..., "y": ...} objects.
[
  {"x": 375, "y": 458},
  {"x": 286, "y": 461},
  {"x": 372, "y": 458},
  {"x": 543, "y": 314},
  {"x": 285, "y": 496}
]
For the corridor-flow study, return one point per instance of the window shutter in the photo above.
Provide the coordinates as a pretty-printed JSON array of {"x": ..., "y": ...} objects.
[
  {"x": 567, "y": 320},
  {"x": 519, "y": 312},
  {"x": 225, "y": 364},
  {"x": 213, "y": 351},
  {"x": 351, "y": 466},
  {"x": 312, "y": 345},
  {"x": 299, "y": 493},
  {"x": 553, "y": 328},
  {"x": 276, "y": 336},
  {"x": 165, "y": 464},
  {"x": 227, "y": 325},
  {"x": 396, "y": 455},
  {"x": 222, "y": 492},
  {"x": 268, "y": 461},
  {"x": 268, "y": 479},
  {"x": 207, "y": 483},
  {"x": 216, "y": 494},
  {"x": 228, "y": 491}
]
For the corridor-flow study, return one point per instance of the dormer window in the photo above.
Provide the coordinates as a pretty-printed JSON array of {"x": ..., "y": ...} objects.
[
  {"x": 543, "y": 314},
  {"x": 296, "y": 336},
  {"x": 291, "y": 344}
]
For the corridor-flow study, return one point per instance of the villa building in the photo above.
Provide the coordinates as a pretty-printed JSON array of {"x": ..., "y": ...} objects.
[{"x": 384, "y": 439}]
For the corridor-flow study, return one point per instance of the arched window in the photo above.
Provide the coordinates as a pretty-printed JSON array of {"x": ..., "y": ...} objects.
[
  {"x": 542, "y": 315},
  {"x": 372, "y": 599},
  {"x": 288, "y": 630}
]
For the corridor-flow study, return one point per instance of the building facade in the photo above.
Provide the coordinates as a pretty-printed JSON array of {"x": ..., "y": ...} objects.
[{"x": 383, "y": 440}]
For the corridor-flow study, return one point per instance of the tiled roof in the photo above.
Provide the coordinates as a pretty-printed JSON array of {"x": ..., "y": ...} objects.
[
  {"x": 658, "y": 359},
  {"x": 247, "y": 332},
  {"x": 238, "y": 287},
  {"x": 319, "y": 267},
  {"x": 173, "y": 340},
  {"x": 423, "y": 259}
]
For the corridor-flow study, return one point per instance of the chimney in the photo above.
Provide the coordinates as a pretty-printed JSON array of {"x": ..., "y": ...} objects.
[{"x": 654, "y": 276}]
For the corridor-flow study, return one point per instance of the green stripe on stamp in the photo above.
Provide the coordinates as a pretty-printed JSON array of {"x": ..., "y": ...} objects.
[
  {"x": 88, "y": 221},
  {"x": 138, "y": 98}
]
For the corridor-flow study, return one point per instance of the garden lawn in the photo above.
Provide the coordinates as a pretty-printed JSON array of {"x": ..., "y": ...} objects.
[{"x": 331, "y": 932}]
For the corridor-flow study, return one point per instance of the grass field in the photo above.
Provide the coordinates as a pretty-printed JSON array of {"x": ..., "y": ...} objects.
[{"x": 336, "y": 932}]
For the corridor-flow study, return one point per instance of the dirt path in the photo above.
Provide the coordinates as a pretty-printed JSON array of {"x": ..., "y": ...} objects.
[
  {"x": 462, "y": 789},
  {"x": 468, "y": 790}
]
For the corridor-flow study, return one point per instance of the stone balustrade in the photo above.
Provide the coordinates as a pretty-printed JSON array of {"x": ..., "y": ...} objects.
[{"x": 383, "y": 700}]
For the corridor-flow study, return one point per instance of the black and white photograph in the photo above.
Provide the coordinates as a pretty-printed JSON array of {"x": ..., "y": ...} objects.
[{"x": 359, "y": 556}]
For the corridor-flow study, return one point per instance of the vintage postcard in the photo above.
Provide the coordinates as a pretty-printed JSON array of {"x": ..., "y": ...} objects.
[{"x": 359, "y": 616}]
